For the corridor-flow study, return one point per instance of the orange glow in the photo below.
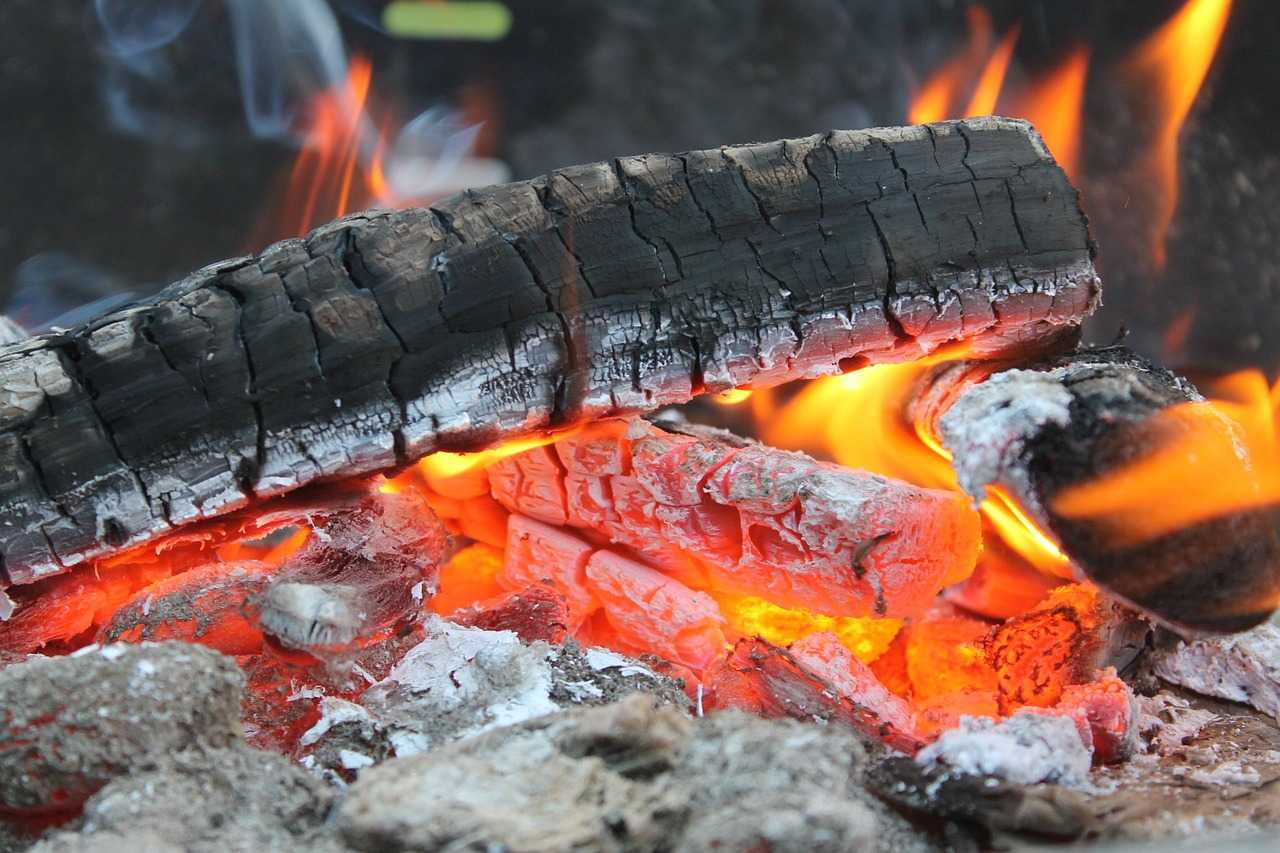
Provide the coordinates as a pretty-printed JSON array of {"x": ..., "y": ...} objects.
[
  {"x": 938, "y": 95},
  {"x": 339, "y": 168},
  {"x": 991, "y": 81},
  {"x": 859, "y": 420},
  {"x": 732, "y": 397},
  {"x": 1218, "y": 456},
  {"x": 1168, "y": 69},
  {"x": 445, "y": 465},
  {"x": 1023, "y": 535},
  {"x": 866, "y": 637},
  {"x": 1055, "y": 105}
]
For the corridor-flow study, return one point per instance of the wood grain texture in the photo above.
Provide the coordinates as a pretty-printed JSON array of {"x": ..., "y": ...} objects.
[{"x": 603, "y": 289}]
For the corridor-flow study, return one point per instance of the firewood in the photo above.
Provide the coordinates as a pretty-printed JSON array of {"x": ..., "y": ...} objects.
[
  {"x": 743, "y": 519},
  {"x": 604, "y": 289},
  {"x": 1039, "y": 431}
]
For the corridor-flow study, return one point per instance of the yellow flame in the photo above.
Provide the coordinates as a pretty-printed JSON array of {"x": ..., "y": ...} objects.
[
  {"x": 866, "y": 638},
  {"x": 732, "y": 397}
]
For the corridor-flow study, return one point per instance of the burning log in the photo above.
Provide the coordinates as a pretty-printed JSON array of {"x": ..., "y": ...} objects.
[
  {"x": 742, "y": 519},
  {"x": 1056, "y": 436},
  {"x": 597, "y": 290}
]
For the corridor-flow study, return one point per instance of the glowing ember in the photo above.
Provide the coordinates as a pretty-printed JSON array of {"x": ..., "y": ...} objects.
[
  {"x": 1169, "y": 69},
  {"x": 866, "y": 638}
]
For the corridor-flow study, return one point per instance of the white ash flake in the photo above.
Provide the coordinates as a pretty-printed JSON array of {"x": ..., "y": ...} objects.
[
  {"x": 333, "y": 711},
  {"x": 352, "y": 760},
  {"x": 1025, "y": 749},
  {"x": 602, "y": 659}
]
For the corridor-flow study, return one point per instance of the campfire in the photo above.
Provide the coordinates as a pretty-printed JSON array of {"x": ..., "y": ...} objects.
[{"x": 796, "y": 440}]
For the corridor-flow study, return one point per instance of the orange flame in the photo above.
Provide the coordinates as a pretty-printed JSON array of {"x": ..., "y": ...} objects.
[
  {"x": 991, "y": 81},
  {"x": 1055, "y": 104},
  {"x": 860, "y": 421},
  {"x": 340, "y": 166},
  {"x": 936, "y": 98},
  {"x": 1171, "y": 65},
  {"x": 1218, "y": 456}
]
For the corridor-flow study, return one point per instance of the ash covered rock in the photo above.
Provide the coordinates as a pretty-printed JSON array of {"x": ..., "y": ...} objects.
[
  {"x": 231, "y": 799},
  {"x": 462, "y": 681},
  {"x": 71, "y": 724},
  {"x": 1240, "y": 667},
  {"x": 515, "y": 788},
  {"x": 634, "y": 775}
]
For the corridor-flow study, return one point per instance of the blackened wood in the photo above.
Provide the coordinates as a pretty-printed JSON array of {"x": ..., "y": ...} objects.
[
  {"x": 603, "y": 289},
  {"x": 1037, "y": 432}
]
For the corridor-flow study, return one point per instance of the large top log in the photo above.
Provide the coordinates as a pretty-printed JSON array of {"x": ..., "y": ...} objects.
[{"x": 604, "y": 289}]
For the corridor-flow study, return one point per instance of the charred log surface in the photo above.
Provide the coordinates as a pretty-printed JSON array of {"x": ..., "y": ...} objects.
[
  {"x": 603, "y": 289},
  {"x": 1069, "y": 421}
]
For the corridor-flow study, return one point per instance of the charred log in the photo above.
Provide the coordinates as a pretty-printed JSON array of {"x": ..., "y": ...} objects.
[
  {"x": 603, "y": 289},
  {"x": 1039, "y": 432}
]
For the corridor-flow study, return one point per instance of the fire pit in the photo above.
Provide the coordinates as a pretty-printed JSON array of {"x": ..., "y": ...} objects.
[{"x": 753, "y": 498}]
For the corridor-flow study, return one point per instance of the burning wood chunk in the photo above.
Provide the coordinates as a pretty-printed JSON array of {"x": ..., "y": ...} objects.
[
  {"x": 1072, "y": 634},
  {"x": 1090, "y": 445},
  {"x": 71, "y": 724},
  {"x": 1244, "y": 668},
  {"x": 214, "y": 605},
  {"x": 769, "y": 682},
  {"x": 458, "y": 326},
  {"x": 536, "y": 612},
  {"x": 1106, "y": 713},
  {"x": 537, "y": 551},
  {"x": 825, "y": 656},
  {"x": 758, "y": 522},
  {"x": 654, "y": 613}
]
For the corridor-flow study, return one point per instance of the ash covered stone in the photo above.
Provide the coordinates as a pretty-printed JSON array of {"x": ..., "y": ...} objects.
[
  {"x": 303, "y": 615},
  {"x": 73, "y": 723},
  {"x": 1240, "y": 667},
  {"x": 219, "y": 800},
  {"x": 1026, "y": 749},
  {"x": 634, "y": 775}
]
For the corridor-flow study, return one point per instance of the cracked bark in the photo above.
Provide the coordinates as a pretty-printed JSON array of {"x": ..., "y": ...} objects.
[
  {"x": 604, "y": 289},
  {"x": 1039, "y": 431}
]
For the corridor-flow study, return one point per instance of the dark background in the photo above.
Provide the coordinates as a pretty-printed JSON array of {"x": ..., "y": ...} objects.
[{"x": 91, "y": 202}]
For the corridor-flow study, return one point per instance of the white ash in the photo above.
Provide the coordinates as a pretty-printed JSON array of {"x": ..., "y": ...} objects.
[
  {"x": 334, "y": 712},
  {"x": 1027, "y": 749},
  {"x": 7, "y": 607},
  {"x": 1242, "y": 668},
  {"x": 988, "y": 426},
  {"x": 461, "y": 681},
  {"x": 304, "y": 615}
]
